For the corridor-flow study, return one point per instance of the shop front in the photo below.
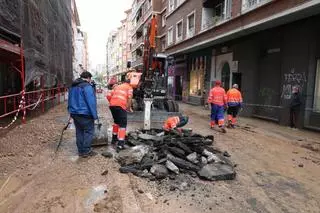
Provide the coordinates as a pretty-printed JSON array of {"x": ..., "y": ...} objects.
[{"x": 197, "y": 84}]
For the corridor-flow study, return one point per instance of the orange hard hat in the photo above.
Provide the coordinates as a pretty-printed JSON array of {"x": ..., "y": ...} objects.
[{"x": 218, "y": 83}]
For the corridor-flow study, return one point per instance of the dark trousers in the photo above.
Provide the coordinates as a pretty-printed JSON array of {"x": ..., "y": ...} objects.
[
  {"x": 182, "y": 122},
  {"x": 294, "y": 114},
  {"x": 119, "y": 116},
  {"x": 233, "y": 110},
  {"x": 84, "y": 132}
]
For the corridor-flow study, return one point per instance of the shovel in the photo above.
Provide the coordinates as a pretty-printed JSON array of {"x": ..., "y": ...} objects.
[{"x": 61, "y": 136}]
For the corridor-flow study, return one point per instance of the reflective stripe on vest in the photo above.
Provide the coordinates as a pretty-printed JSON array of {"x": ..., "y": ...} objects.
[
  {"x": 217, "y": 96},
  {"x": 234, "y": 96},
  {"x": 120, "y": 96}
]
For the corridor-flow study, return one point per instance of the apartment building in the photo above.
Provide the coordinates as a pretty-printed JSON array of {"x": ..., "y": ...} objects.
[
  {"x": 266, "y": 46},
  {"x": 142, "y": 11},
  {"x": 119, "y": 48},
  {"x": 113, "y": 53}
]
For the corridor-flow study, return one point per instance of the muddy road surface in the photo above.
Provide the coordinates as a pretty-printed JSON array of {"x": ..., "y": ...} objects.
[{"x": 278, "y": 170}]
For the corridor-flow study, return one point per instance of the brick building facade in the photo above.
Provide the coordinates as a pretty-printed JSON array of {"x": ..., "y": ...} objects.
[{"x": 266, "y": 46}]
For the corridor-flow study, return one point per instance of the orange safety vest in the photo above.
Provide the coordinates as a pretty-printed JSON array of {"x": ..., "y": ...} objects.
[
  {"x": 120, "y": 95},
  {"x": 234, "y": 97},
  {"x": 171, "y": 123},
  {"x": 217, "y": 96},
  {"x": 109, "y": 95}
]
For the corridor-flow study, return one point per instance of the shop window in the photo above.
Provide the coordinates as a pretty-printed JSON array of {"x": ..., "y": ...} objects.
[
  {"x": 197, "y": 77},
  {"x": 317, "y": 89}
]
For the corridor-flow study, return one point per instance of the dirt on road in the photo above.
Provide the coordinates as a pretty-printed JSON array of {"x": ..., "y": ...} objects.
[{"x": 277, "y": 171}]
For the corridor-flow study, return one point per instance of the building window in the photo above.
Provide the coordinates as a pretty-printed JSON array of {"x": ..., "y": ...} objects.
[
  {"x": 164, "y": 20},
  {"x": 171, "y": 5},
  {"x": 179, "y": 31},
  {"x": 317, "y": 89},
  {"x": 191, "y": 25},
  {"x": 251, "y": 4},
  {"x": 163, "y": 44},
  {"x": 170, "y": 36}
]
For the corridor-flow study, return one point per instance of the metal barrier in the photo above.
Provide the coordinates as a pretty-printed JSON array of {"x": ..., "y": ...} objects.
[{"x": 27, "y": 101}]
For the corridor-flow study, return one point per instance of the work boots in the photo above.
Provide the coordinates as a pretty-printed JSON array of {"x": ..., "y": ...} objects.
[
  {"x": 120, "y": 145},
  {"x": 230, "y": 124},
  {"x": 114, "y": 139}
]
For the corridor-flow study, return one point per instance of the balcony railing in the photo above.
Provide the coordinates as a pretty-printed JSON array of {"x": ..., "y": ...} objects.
[
  {"x": 142, "y": 20},
  {"x": 252, "y": 4},
  {"x": 211, "y": 22},
  {"x": 137, "y": 43},
  {"x": 136, "y": 62}
]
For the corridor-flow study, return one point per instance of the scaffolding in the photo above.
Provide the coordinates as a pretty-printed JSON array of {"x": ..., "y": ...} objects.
[{"x": 37, "y": 35}]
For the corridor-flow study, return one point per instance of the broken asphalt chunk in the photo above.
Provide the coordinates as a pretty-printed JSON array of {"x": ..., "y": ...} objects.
[
  {"x": 182, "y": 163},
  {"x": 132, "y": 155},
  {"x": 217, "y": 171},
  {"x": 159, "y": 171},
  {"x": 172, "y": 167}
]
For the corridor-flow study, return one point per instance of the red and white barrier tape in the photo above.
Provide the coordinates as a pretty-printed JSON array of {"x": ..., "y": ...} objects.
[{"x": 21, "y": 105}]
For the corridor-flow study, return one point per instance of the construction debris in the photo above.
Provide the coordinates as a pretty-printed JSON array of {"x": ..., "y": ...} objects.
[{"x": 156, "y": 156}]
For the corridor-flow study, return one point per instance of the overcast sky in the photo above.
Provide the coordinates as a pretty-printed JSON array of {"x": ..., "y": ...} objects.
[{"x": 98, "y": 18}]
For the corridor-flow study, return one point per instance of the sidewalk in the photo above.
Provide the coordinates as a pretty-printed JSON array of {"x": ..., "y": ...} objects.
[{"x": 304, "y": 138}]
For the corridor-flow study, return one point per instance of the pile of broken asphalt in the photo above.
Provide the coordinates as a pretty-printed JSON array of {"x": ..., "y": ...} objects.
[{"x": 156, "y": 156}]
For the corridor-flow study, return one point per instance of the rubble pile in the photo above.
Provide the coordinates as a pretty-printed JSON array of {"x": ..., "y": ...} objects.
[{"x": 155, "y": 156}]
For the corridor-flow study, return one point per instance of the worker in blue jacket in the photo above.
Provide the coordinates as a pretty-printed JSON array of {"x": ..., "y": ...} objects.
[{"x": 82, "y": 106}]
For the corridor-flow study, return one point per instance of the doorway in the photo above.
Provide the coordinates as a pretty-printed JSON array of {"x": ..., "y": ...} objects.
[
  {"x": 178, "y": 87},
  {"x": 225, "y": 76},
  {"x": 236, "y": 79}
]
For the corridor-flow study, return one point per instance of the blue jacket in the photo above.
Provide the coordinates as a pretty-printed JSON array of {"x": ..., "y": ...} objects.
[{"x": 82, "y": 99}]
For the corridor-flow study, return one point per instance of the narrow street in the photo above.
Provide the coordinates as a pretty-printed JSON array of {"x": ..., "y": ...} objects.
[{"x": 277, "y": 171}]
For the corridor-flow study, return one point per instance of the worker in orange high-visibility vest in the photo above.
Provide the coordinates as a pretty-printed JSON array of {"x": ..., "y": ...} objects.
[
  {"x": 234, "y": 100},
  {"x": 120, "y": 100},
  {"x": 218, "y": 101},
  {"x": 174, "y": 123}
]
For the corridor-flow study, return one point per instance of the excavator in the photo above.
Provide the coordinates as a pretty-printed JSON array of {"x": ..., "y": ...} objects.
[{"x": 151, "y": 91}]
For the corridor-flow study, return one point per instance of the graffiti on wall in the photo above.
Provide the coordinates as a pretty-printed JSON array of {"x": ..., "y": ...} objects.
[{"x": 292, "y": 79}]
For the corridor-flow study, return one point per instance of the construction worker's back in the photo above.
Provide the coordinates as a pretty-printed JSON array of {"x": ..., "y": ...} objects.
[
  {"x": 217, "y": 96},
  {"x": 234, "y": 97},
  {"x": 120, "y": 95}
]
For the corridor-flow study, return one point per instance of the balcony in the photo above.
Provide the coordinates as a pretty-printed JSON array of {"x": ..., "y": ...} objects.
[
  {"x": 215, "y": 13},
  {"x": 139, "y": 25},
  {"x": 248, "y": 5},
  {"x": 136, "y": 7},
  {"x": 138, "y": 43},
  {"x": 137, "y": 62},
  {"x": 209, "y": 3}
]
